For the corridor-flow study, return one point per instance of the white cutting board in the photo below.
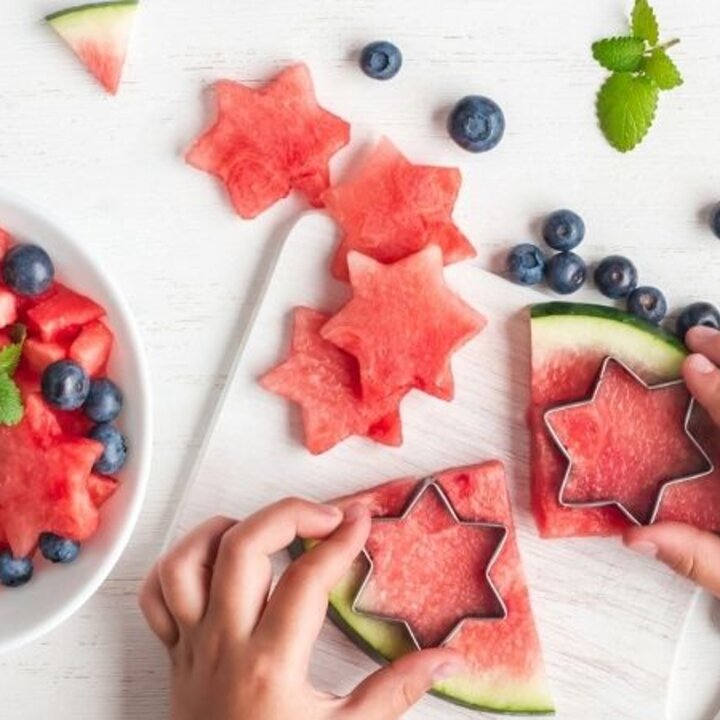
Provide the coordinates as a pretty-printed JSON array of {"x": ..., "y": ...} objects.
[{"x": 609, "y": 620}]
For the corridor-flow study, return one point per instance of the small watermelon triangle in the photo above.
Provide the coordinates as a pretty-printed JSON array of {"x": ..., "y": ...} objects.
[{"x": 99, "y": 34}]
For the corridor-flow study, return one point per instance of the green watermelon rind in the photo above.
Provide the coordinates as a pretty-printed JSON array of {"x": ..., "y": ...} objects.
[
  {"x": 89, "y": 7},
  {"x": 391, "y": 641}
]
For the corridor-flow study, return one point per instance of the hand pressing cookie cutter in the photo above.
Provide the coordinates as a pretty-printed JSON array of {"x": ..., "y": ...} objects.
[
  {"x": 426, "y": 485},
  {"x": 589, "y": 504}
]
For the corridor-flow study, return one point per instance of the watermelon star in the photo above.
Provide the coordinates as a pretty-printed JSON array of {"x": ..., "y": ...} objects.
[
  {"x": 429, "y": 549},
  {"x": 269, "y": 141},
  {"x": 403, "y": 324},
  {"x": 325, "y": 382},
  {"x": 628, "y": 465},
  {"x": 393, "y": 208}
]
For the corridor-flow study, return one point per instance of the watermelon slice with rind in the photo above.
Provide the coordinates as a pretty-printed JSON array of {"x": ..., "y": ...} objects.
[
  {"x": 506, "y": 672},
  {"x": 392, "y": 208},
  {"x": 99, "y": 34},
  {"x": 403, "y": 324},
  {"x": 269, "y": 141},
  {"x": 569, "y": 344},
  {"x": 325, "y": 382}
]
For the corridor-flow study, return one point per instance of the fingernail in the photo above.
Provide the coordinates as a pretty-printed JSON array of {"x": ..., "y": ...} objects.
[
  {"x": 700, "y": 364},
  {"x": 448, "y": 669},
  {"x": 643, "y": 547},
  {"x": 331, "y": 510},
  {"x": 354, "y": 512},
  {"x": 702, "y": 332}
]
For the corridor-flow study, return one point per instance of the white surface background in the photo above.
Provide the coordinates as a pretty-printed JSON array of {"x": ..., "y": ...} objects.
[{"x": 111, "y": 169}]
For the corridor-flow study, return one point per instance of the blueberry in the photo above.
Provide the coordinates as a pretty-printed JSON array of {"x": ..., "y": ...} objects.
[
  {"x": 476, "y": 123},
  {"x": 65, "y": 385},
  {"x": 699, "y": 313},
  {"x": 104, "y": 401},
  {"x": 563, "y": 230},
  {"x": 28, "y": 270},
  {"x": 14, "y": 571},
  {"x": 616, "y": 277},
  {"x": 715, "y": 220},
  {"x": 381, "y": 60},
  {"x": 566, "y": 272},
  {"x": 114, "y": 448},
  {"x": 526, "y": 264},
  {"x": 647, "y": 303},
  {"x": 58, "y": 549}
]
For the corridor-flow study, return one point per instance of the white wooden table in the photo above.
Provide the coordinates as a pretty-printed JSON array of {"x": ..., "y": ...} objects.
[{"x": 111, "y": 169}]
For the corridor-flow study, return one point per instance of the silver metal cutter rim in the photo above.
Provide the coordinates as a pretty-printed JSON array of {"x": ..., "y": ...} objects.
[
  {"x": 589, "y": 504},
  {"x": 423, "y": 486}
]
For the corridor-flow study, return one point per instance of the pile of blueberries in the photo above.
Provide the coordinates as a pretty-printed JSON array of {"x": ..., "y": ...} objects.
[
  {"x": 29, "y": 272},
  {"x": 615, "y": 276}
]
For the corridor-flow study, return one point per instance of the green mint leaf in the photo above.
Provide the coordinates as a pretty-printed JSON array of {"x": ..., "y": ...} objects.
[
  {"x": 10, "y": 356},
  {"x": 626, "y": 107},
  {"x": 11, "y": 406},
  {"x": 624, "y": 54},
  {"x": 659, "y": 67},
  {"x": 644, "y": 23}
]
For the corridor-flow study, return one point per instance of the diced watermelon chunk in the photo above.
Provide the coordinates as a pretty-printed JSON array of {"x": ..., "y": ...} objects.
[
  {"x": 8, "y": 307},
  {"x": 38, "y": 354},
  {"x": 91, "y": 348},
  {"x": 63, "y": 314},
  {"x": 41, "y": 420},
  {"x": 101, "y": 488},
  {"x": 5, "y": 240}
]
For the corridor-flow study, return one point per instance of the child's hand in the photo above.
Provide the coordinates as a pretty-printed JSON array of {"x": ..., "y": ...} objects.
[
  {"x": 240, "y": 653},
  {"x": 689, "y": 551}
]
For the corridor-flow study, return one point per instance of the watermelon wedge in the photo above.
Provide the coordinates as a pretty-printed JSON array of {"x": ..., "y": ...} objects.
[
  {"x": 506, "y": 668},
  {"x": 393, "y": 208},
  {"x": 325, "y": 382},
  {"x": 99, "y": 34},
  {"x": 403, "y": 324},
  {"x": 270, "y": 141},
  {"x": 569, "y": 343}
]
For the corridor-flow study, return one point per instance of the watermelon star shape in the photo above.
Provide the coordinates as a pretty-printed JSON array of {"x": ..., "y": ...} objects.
[
  {"x": 426, "y": 553},
  {"x": 325, "y": 382},
  {"x": 393, "y": 208},
  {"x": 403, "y": 324},
  {"x": 627, "y": 465},
  {"x": 268, "y": 141}
]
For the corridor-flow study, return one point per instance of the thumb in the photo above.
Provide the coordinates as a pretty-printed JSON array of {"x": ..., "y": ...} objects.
[
  {"x": 702, "y": 377},
  {"x": 389, "y": 693},
  {"x": 690, "y": 552}
]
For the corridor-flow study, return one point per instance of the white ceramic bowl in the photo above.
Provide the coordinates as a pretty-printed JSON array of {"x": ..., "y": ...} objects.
[{"x": 57, "y": 591}]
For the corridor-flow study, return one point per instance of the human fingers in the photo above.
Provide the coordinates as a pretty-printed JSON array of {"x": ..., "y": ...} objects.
[
  {"x": 243, "y": 571},
  {"x": 693, "y": 553},
  {"x": 153, "y": 606},
  {"x": 389, "y": 693},
  {"x": 296, "y": 610},
  {"x": 702, "y": 377},
  {"x": 184, "y": 572},
  {"x": 704, "y": 340}
]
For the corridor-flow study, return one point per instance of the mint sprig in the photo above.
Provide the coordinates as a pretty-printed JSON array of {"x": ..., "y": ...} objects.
[
  {"x": 628, "y": 99},
  {"x": 11, "y": 406}
]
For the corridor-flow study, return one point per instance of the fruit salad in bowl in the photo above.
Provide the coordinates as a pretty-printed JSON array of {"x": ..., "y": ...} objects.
[{"x": 75, "y": 424}]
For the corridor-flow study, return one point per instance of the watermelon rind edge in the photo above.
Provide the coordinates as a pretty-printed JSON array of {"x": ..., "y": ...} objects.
[
  {"x": 298, "y": 547},
  {"x": 550, "y": 309},
  {"x": 77, "y": 9}
]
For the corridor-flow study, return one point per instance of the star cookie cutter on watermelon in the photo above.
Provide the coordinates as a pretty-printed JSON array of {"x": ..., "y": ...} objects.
[
  {"x": 662, "y": 485},
  {"x": 427, "y": 485}
]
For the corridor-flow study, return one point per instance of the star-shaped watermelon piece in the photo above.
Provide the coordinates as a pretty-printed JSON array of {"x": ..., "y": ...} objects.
[
  {"x": 325, "y": 382},
  {"x": 403, "y": 324},
  {"x": 431, "y": 551},
  {"x": 627, "y": 444},
  {"x": 268, "y": 141},
  {"x": 44, "y": 480},
  {"x": 393, "y": 208}
]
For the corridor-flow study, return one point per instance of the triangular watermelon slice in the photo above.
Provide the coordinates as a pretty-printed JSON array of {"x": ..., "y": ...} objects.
[
  {"x": 506, "y": 669},
  {"x": 99, "y": 34}
]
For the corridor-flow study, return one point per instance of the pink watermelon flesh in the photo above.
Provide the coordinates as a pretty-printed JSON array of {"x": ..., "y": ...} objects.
[
  {"x": 270, "y": 141},
  {"x": 427, "y": 576},
  {"x": 393, "y": 208},
  {"x": 5, "y": 239},
  {"x": 403, "y": 324},
  {"x": 436, "y": 557},
  {"x": 627, "y": 443},
  {"x": 325, "y": 382}
]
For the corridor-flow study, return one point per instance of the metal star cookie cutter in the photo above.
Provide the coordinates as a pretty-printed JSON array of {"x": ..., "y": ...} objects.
[
  {"x": 607, "y": 362},
  {"x": 425, "y": 485}
]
